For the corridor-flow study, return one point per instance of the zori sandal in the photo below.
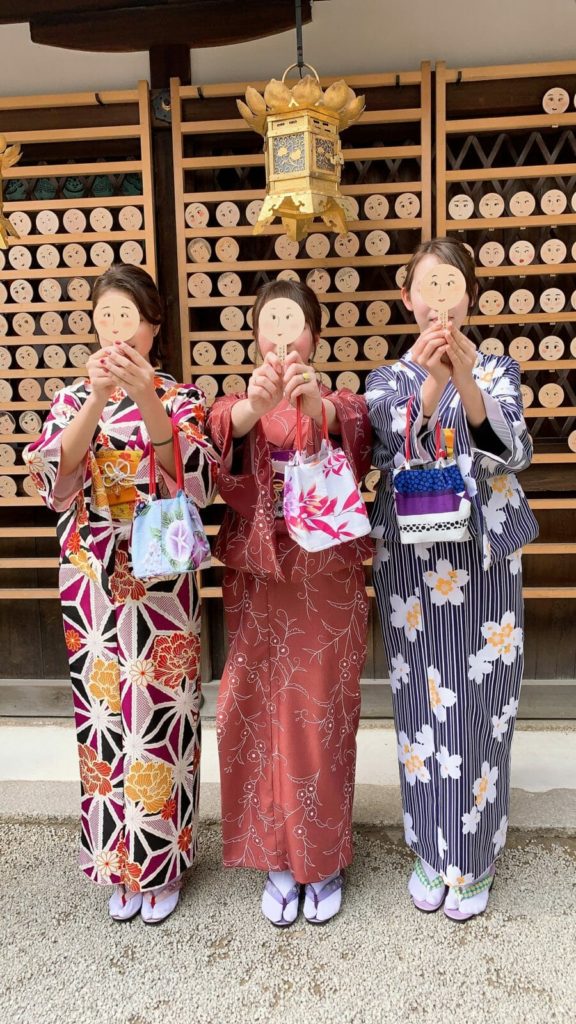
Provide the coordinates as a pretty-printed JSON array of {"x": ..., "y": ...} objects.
[
  {"x": 428, "y": 894},
  {"x": 123, "y": 905},
  {"x": 287, "y": 902},
  {"x": 158, "y": 904},
  {"x": 322, "y": 900},
  {"x": 466, "y": 901}
]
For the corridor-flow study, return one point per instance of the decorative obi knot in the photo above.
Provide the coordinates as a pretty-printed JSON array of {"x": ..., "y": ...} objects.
[{"x": 117, "y": 470}]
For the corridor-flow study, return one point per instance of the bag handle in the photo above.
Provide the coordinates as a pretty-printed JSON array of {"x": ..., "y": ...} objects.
[
  {"x": 440, "y": 452},
  {"x": 152, "y": 478},
  {"x": 299, "y": 439}
]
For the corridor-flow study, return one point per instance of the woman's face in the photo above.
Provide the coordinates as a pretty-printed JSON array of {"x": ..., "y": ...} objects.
[
  {"x": 117, "y": 318},
  {"x": 282, "y": 322},
  {"x": 423, "y": 313}
]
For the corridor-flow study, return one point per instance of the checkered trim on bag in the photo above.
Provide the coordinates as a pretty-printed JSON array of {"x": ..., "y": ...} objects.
[{"x": 437, "y": 527}]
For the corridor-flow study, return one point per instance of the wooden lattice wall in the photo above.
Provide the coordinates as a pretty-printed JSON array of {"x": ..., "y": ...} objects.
[{"x": 490, "y": 136}]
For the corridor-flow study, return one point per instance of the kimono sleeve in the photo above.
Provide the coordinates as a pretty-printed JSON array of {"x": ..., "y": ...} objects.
[
  {"x": 499, "y": 381},
  {"x": 200, "y": 458},
  {"x": 220, "y": 427},
  {"x": 355, "y": 429},
  {"x": 43, "y": 456},
  {"x": 245, "y": 468},
  {"x": 387, "y": 396}
]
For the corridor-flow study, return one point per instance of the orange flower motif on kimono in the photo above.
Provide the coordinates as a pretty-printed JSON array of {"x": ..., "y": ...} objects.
[
  {"x": 185, "y": 839},
  {"x": 74, "y": 543},
  {"x": 105, "y": 683},
  {"x": 128, "y": 870},
  {"x": 130, "y": 875},
  {"x": 169, "y": 809},
  {"x": 81, "y": 513},
  {"x": 170, "y": 393},
  {"x": 123, "y": 585},
  {"x": 82, "y": 562},
  {"x": 94, "y": 773},
  {"x": 149, "y": 783},
  {"x": 192, "y": 432},
  {"x": 199, "y": 413},
  {"x": 175, "y": 656},
  {"x": 73, "y": 640}
]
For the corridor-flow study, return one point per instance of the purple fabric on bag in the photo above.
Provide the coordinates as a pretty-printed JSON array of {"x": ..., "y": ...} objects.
[{"x": 427, "y": 504}]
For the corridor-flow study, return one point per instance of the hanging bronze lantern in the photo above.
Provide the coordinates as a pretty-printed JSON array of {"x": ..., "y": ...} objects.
[{"x": 303, "y": 156}]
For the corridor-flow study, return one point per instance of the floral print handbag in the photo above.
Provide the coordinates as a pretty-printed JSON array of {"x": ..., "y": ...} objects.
[
  {"x": 167, "y": 533},
  {"x": 323, "y": 505},
  {"x": 431, "y": 499}
]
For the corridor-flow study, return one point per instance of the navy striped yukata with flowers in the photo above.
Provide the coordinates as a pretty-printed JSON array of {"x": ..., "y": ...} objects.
[{"x": 452, "y": 619}]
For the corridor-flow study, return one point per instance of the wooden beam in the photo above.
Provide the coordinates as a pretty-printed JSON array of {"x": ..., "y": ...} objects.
[{"x": 195, "y": 23}]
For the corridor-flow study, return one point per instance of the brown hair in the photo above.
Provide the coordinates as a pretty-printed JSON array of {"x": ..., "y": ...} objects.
[
  {"x": 448, "y": 250},
  {"x": 300, "y": 293},
  {"x": 140, "y": 286}
]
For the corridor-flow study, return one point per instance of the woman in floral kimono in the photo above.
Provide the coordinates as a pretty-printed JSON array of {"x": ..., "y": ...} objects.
[
  {"x": 289, "y": 702},
  {"x": 452, "y": 612},
  {"x": 133, "y": 647}
]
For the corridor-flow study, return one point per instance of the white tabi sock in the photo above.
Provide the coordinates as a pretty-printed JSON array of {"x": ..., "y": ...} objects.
[
  {"x": 271, "y": 908},
  {"x": 328, "y": 905}
]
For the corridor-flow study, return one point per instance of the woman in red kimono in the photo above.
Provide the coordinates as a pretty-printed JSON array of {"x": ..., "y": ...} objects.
[{"x": 289, "y": 701}]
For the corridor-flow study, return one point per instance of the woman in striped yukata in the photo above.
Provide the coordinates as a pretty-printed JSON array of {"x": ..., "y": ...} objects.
[{"x": 452, "y": 612}]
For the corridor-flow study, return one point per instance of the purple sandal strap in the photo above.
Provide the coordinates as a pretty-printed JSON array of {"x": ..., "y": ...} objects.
[
  {"x": 272, "y": 889},
  {"x": 331, "y": 886}
]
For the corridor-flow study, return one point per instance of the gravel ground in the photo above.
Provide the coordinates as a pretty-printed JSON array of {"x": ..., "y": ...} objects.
[{"x": 217, "y": 961}]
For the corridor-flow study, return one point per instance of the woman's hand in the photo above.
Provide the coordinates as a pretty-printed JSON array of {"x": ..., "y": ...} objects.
[
  {"x": 300, "y": 381},
  {"x": 462, "y": 354},
  {"x": 431, "y": 352},
  {"x": 265, "y": 386},
  {"x": 99, "y": 377},
  {"x": 130, "y": 371}
]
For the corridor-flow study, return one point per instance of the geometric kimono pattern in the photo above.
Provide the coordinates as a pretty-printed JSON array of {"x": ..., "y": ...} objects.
[{"x": 133, "y": 646}]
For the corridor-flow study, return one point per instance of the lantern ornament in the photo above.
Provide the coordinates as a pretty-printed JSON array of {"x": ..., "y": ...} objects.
[
  {"x": 303, "y": 156},
  {"x": 9, "y": 155}
]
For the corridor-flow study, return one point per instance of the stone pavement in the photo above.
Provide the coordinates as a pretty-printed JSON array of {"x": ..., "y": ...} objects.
[{"x": 217, "y": 961}]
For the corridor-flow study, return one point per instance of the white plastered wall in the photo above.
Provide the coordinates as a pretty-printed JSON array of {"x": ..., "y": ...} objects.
[{"x": 345, "y": 36}]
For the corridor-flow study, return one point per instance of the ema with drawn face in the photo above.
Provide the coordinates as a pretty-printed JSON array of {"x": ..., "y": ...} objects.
[
  {"x": 521, "y": 253},
  {"x": 555, "y": 101},
  {"x": 491, "y": 254},
  {"x": 491, "y": 205},
  {"x": 522, "y": 204}
]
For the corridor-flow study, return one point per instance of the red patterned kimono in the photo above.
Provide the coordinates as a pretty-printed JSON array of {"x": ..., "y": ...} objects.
[{"x": 289, "y": 702}]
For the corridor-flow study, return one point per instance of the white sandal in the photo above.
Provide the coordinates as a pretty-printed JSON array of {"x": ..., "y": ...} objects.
[
  {"x": 158, "y": 904},
  {"x": 124, "y": 905}
]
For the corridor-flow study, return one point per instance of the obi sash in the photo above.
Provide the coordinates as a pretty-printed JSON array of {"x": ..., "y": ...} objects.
[{"x": 117, "y": 470}]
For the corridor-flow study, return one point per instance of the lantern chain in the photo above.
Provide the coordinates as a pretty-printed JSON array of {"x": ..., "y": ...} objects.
[{"x": 299, "y": 46}]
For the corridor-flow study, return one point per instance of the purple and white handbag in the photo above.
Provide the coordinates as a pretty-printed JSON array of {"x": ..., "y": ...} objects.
[
  {"x": 167, "y": 533},
  {"x": 431, "y": 499}
]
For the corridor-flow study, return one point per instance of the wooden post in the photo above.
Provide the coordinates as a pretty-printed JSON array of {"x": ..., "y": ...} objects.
[{"x": 164, "y": 62}]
